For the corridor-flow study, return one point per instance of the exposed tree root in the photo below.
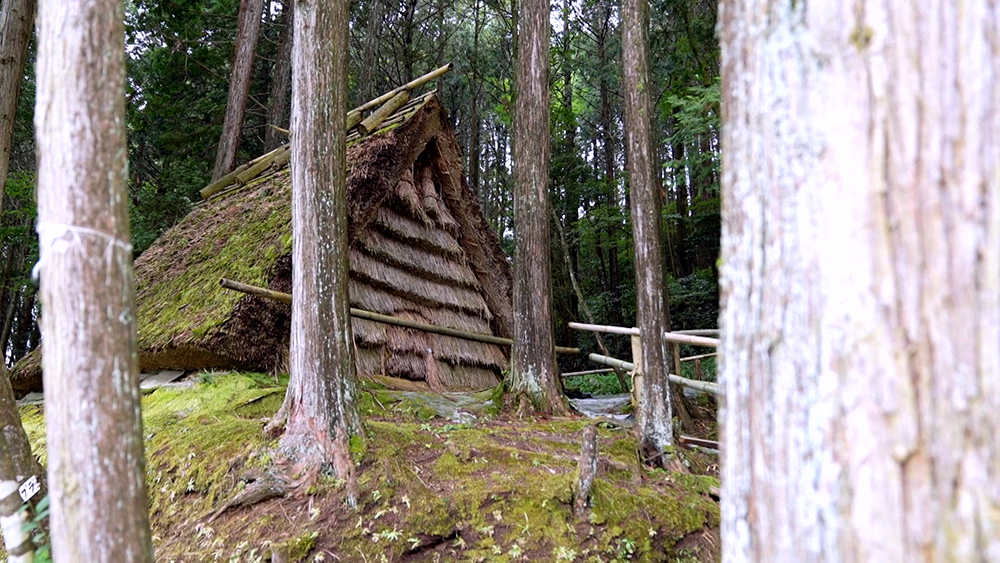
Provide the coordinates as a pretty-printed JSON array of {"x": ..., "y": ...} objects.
[
  {"x": 650, "y": 456},
  {"x": 265, "y": 488},
  {"x": 428, "y": 543},
  {"x": 274, "y": 428}
]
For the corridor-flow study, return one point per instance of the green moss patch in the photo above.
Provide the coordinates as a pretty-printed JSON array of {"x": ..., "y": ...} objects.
[
  {"x": 430, "y": 490},
  {"x": 241, "y": 236}
]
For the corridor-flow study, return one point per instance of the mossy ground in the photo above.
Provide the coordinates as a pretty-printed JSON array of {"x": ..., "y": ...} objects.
[{"x": 431, "y": 489}]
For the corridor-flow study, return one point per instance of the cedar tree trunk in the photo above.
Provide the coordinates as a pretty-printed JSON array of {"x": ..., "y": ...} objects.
[
  {"x": 321, "y": 392},
  {"x": 91, "y": 376},
  {"x": 653, "y": 421},
  {"x": 239, "y": 86},
  {"x": 16, "y": 20},
  {"x": 861, "y": 281},
  {"x": 533, "y": 373},
  {"x": 281, "y": 82}
]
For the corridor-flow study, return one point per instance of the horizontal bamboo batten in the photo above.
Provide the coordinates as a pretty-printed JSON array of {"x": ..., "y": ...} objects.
[{"x": 387, "y": 319}]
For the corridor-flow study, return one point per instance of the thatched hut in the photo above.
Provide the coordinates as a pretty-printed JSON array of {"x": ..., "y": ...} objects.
[{"x": 420, "y": 249}]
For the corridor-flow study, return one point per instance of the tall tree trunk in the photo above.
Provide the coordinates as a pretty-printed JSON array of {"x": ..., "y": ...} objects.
[
  {"x": 654, "y": 417},
  {"x": 25, "y": 324},
  {"x": 320, "y": 402},
  {"x": 409, "y": 14},
  {"x": 373, "y": 31},
  {"x": 13, "y": 521},
  {"x": 8, "y": 321},
  {"x": 16, "y": 20},
  {"x": 281, "y": 83},
  {"x": 90, "y": 365},
  {"x": 608, "y": 154},
  {"x": 680, "y": 179},
  {"x": 572, "y": 194},
  {"x": 239, "y": 86},
  {"x": 533, "y": 375},
  {"x": 861, "y": 281},
  {"x": 474, "y": 117}
]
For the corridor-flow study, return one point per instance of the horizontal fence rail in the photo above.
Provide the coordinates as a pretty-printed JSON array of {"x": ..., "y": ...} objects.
[
  {"x": 699, "y": 357},
  {"x": 605, "y": 328},
  {"x": 588, "y": 372},
  {"x": 693, "y": 337},
  {"x": 706, "y": 386},
  {"x": 699, "y": 332}
]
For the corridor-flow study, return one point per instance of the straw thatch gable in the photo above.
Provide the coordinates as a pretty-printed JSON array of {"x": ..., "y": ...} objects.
[{"x": 420, "y": 249}]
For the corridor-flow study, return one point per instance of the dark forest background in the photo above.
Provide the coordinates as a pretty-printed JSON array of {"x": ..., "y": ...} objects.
[{"x": 180, "y": 55}]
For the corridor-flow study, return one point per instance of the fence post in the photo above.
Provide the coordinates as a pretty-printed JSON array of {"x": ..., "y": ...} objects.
[
  {"x": 677, "y": 392},
  {"x": 637, "y": 372}
]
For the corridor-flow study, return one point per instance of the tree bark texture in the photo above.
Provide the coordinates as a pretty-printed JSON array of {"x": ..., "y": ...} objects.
[
  {"x": 654, "y": 416},
  {"x": 373, "y": 32},
  {"x": 321, "y": 392},
  {"x": 94, "y": 431},
  {"x": 18, "y": 447},
  {"x": 533, "y": 374},
  {"x": 861, "y": 281},
  {"x": 279, "y": 105},
  {"x": 16, "y": 20},
  {"x": 17, "y": 541},
  {"x": 239, "y": 86}
]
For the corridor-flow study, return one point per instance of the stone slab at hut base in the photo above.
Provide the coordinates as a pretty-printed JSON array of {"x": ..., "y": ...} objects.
[
  {"x": 420, "y": 249},
  {"x": 159, "y": 379}
]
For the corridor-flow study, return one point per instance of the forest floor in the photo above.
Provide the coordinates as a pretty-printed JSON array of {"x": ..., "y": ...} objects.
[{"x": 440, "y": 479}]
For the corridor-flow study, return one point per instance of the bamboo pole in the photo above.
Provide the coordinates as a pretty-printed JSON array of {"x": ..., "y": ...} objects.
[
  {"x": 372, "y": 122},
  {"x": 261, "y": 165},
  {"x": 706, "y": 386},
  {"x": 353, "y": 118},
  {"x": 224, "y": 182},
  {"x": 699, "y": 357},
  {"x": 588, "y": 372},
  {"x": 605, "y": 328},
  {"x": 409, "y": 86},
  {"x": 387, "y": 319},
  {"x": 693, "y": 340},
  {"x": 700, "y": 442},
  {"x": 699, "y": 332}
]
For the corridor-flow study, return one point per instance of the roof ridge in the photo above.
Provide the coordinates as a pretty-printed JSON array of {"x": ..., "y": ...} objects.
[{"x": 394, "y": 108}]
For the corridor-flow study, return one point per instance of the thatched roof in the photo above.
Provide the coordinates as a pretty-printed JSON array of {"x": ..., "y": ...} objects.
[{"x": 420, "y": 249}]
